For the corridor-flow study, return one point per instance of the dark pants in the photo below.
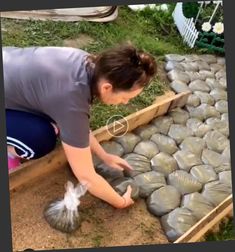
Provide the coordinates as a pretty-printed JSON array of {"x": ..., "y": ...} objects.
[{"x": 32, "y": 136}]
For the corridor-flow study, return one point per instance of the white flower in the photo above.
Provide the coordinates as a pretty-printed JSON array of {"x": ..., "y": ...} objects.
[
  {"x": 206, "y": 26},
  {"x": 218, "y": 28}
]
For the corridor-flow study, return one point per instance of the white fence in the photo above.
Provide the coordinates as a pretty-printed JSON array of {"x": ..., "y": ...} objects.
[{"x": 185, "y": 25}]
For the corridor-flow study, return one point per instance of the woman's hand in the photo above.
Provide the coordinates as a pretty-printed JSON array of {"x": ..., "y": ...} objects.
[
  {"x": 127, "y": 197},
  {"x": 116, "y": 162}
]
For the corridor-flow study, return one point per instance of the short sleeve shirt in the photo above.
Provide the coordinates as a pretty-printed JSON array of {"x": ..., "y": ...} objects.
[{"x": 50, "y": 81}]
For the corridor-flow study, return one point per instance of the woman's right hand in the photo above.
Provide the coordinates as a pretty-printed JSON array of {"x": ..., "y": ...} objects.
[{"x": 127, "y": 196}]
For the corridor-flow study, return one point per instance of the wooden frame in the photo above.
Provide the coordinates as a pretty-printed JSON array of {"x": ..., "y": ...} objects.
[{"x": 56, "y": 159}]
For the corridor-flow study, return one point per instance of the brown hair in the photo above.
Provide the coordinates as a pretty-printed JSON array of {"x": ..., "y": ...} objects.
[{"x": 123, "y": 67}]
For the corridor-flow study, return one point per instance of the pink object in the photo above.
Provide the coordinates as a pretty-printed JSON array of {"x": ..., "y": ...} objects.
[{"x": 13, "y": 163}]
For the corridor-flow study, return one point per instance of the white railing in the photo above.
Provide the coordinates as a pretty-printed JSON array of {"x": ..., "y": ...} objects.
[{"x": 185, "y": 25}]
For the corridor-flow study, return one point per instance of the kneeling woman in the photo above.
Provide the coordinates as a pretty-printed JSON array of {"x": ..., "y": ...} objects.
[{"x": 48, "y": 93}]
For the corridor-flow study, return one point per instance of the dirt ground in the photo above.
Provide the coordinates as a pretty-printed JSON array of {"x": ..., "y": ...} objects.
[{"x": 102, "y": 225}]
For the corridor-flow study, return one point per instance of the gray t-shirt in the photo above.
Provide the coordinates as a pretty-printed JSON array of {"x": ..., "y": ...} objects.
[{"x": 51, "y": 81}]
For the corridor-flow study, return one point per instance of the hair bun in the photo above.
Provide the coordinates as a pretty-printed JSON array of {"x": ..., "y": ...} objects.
[
  {"x": 135, "y": 59},
  {"x": 148, "y": 62}
]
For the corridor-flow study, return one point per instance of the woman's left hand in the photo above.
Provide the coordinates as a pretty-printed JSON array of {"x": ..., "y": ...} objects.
[{"x": 116, "y": 162}]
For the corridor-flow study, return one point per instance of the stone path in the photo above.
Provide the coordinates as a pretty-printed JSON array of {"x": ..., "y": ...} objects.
[{"x": 181, "y": 160}]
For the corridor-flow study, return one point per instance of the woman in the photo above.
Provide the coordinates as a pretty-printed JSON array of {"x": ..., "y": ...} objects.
[{"x": 48, "y": 92}]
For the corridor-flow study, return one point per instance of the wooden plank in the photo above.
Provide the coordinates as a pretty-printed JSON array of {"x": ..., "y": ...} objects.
[
  {"x": 56, "y": 159},
  {"x": 196, "y": 232}
]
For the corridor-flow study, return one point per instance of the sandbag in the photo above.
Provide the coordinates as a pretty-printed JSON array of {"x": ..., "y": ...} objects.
[
  {"x": 96, "y": 161},
  {"x": 179, "y": 86},
  {"x": 212, "y": 158},
  {"x": 186, "y": 159},
  {"x": 215, "y": 67},
  {"x": 195, "y": 76},
  {"x": 221, "y": 61},
  {"x": 193, "y": 144},
  {"x": 225, "y": 177},
  {"x": 163, "y": 200},
  {"x": 204, "y": 173},
  {"x": 193, "y": 100},
  {"x": 164, "y": 163},
  {"x": 222, "y": 106},
  {"x": 220, "y": 74},
  {"x": 199, "y": 85},
  {"x": 191, "y": 58},
  {"x": 164, "y": 143},
  {"x": 189, "y": 66},
  {"x": 216, "y": 141},
  {"x": 179, "y": 132},
  {"x": 113, "y": 148},
  {"x": 206, "y": 73},
  {"x": 208, "y": 58},
  {"x": 219, "y": 125},
  {"x": 224, "y": 117},
  {"x": 174, "y": 57},
  {"x": 184, "y": 182},
  {"x": 128, "y": 141},
  {"x": 180, "y": 116},
  {"x": 199, "y": 129},
  {"x": 146, "y": 148},
  {"x": 222, "y": 167},
  {"x": 170, "y": 65},
  {"x": 204, "y": 111},
  {"x": 197, "y": 204},
  {"x": 202, "y": 65},
  {"x": 177, "y": 222},
  {"x": 213, "y": 83},
  {"x": 108, "y": 172},
  {"x": 163, "y": 123},
  {"x": 215, "y": 192},
  {"x": 146, "y": 131},
  {"x": 139, "y": 164},
  {"x": 120, "y": 185},
  {"x": 178, "y": 75},
  {"x": 226, "y": 154},
  {"x": 219, "y": 94},
  {"x": 223, "y": 82},
  {"x": 205, "y": 97},
  {"x": 149, "y": 182}
]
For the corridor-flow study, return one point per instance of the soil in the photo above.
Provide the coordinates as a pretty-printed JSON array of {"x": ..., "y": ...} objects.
[
  {"x": 102, "y": 225},
  {"x": 79, "y": 42}
]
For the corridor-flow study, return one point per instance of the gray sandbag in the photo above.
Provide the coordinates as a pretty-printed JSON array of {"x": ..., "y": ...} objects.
[
  {"x": 189, "y": 66},
  {"x": 179, "y": 86},
  {"x": 149, "y": 182},
  {"x": 219, "y": 125},
  {"x": 204, "y": 111},
  {"x": 120, "y": 185},
  {"x": 163, "y": 123},
  {"x": 213, "y": 83},
  {"x": 216, "y": 141},
  {"x": 215, "y": 192},
  {"x": 224, "y": 117},
  {"x": 205, "y": 97},
  {"x": 220, "y": 74},
  {"x": 226, "y": 154},
  {"x": 178, "y": 75},
  {"x": 146, "y": 148},
  {"x": 193, "y": 144},
  {"x": 170, "y": 65},
  {"x": 223, "y": 82},
  {"x": 195, "y": 76},
  {"x": 202, "y": 65},
  {"x": 113, "y": 148},
  {"x": 164, "y": 163},
  {"x": 163, "y": 200},
  {"x": 199, "y": 85},
  {"x": 225, "y": 177},
  {"x": 212, "y": 158},
  {"x": 197, "y": 204},
  {"x": 96, "y": 160},
  {"x": 186, "y": 159},
  {"x": 191, "y": 58},
  {"x": 177, "y": 222},
  {"x": 193, "y": 100},
  {"x": 198, "y": 128},
  {"x": 146, "y": 131},
  {"x": 128, "y": 141},
  {"x": 139, "y": 164},
  {"x": 208, "y": 58},
  {"x": 174, "y": 57},
  {"x": 204, "y": 173},
  {"x": 206, "y": 73},
  {"x": 184, "y": 182},
  {"x": 179, "y": 132},
  {"x": 221, "y": 61},
  {"x": 219, "y": 94},
  {"x": 108, "y": 172},
  {"x": 222, "y": 106},
  {"x": 222, "y": 167},
  {"x": 215, "y": 67},
  {"x": 164, "y": 143},
  {"x": 180, "y": 116}
]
